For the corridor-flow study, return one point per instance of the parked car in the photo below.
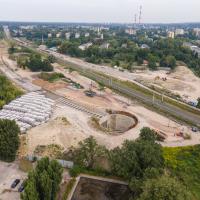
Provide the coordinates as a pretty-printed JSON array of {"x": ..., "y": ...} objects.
[
  {"x": 15, "y": 183},
  {"x": 195, "y": 129},
  {"x": 21, "y": 187}
]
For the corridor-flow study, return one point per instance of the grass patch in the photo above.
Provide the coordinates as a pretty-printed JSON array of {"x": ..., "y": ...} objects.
[
  {"x": 184, "y": 162},
  {"x": 53, "y": 151}
]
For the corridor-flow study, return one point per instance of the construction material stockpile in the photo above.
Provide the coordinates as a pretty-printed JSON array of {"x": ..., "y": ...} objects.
[{"x": 28, "y": 111}]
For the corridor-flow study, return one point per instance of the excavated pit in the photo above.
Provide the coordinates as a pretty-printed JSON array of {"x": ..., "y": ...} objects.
[{"x": 118, "y": 122}]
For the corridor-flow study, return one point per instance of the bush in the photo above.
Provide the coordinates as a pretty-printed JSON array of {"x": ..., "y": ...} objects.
[
  {"x": 51, "y": 77},
  {"x": 8, "y": 91}
]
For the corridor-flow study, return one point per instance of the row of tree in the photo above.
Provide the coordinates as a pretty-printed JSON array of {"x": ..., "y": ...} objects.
[{"x": 44, "y": 181}]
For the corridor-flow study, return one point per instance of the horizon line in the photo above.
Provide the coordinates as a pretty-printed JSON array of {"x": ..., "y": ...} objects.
[{"x": 62, "y": 22}]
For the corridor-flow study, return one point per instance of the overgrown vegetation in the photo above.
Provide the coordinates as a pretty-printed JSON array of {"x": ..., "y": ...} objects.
[
  {"x": 184, "y": 163},
  {"x": 8, "y": 91},
  {"x": 51, "y": 77},
  {"x": 68, "y": 188},
  {"x": 52, "y": 151},
  {"x": 30, "y": 59},
  {"x": 9, "y": 140}
]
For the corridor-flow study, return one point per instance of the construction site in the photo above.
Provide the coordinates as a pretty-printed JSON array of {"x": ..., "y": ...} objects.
[{"x": 63, "y": 112}]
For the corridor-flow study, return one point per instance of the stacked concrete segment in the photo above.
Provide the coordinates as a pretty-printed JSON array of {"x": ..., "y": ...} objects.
[{"x": 28, "y": 111}]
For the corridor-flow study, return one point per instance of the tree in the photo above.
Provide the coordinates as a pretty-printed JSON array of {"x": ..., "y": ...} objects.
[
  {"x": 135, "y": 157},
  {"x": 43, "y": 182},
  {"x": 198, "y": 104},
  {"x": 152, "y": 61},
  {"x": 87, "y": 152},
  {"x": 30, "y": 189},
  {"x": 168, "y": 61},
  {"x": 36, "y": 63},
  {"x": 166, "y": 188},
  {"x": 12, "y": 48},
  {"x": 147, "y": 134},
  {"x": 9, "y": 140},
  {"x": 51, "y": 59}
]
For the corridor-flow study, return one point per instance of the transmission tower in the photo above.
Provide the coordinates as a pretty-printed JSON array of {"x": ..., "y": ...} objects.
[{"x": 140, "y": 15}]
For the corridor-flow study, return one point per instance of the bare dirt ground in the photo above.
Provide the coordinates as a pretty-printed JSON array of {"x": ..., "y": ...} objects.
[
  {"x": 182, "y": 81},
  {"x": 55, "y": 132},
  {"x": 9, "y": 172}
]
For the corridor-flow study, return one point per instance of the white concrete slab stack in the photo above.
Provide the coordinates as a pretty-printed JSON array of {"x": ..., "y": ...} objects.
[{"x": 28, "y": 111}]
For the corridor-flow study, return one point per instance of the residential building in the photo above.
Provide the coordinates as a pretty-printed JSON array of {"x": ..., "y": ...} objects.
[
  {"x": 131, "y": 31},
  {"x": 87, "y": 34},
  {"x": 77, "y": 35},
  {"x": 67, "y": 36},
  {"x": 83, "y": 47},
  {"x": 179, "y": 32},
  {"x": 197, "y": 32},
  {"x": 105, "y": 45},
  {"x": 49, "y": 35},
  {"x": 171, "y": 34},
  {"x": 58, "y": 35},
  {"x": 144, "y": 46}
]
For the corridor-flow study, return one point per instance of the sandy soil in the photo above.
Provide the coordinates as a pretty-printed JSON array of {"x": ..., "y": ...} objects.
[
  {"x": 55, "y": 132},
  {"x": 182, "y": 82}
]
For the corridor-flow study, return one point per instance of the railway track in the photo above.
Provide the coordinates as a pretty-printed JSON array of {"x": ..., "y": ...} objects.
[{"x": 77, "y": 106}]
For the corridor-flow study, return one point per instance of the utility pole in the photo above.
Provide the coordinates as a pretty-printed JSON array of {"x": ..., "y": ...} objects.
[
  {"x": 153, "y": 98},
  {"x": 163, "y": 97},
  {"x": 110, "y": 82}
]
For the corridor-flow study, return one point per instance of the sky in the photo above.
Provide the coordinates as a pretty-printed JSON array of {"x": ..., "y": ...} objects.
[{"x": 123, "y": 11}]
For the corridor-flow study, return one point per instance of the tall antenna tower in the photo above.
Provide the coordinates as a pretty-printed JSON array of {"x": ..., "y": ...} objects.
[
  {"x": 135, "y": 19},
  {"x": 140, "y": 16}
]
